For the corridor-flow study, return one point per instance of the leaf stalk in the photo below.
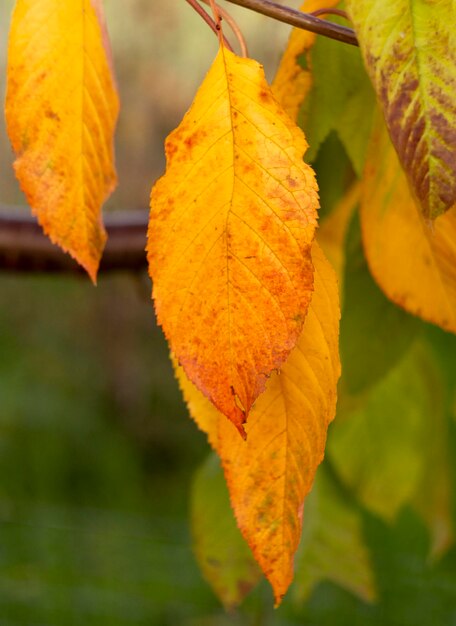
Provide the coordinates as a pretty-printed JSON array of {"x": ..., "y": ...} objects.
[
  {"x": 213, "y": 25},
  {"x": 234, "y": 27}
]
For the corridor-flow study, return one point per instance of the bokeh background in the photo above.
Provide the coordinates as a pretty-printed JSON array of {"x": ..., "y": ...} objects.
[{"x": 96, "y": 450}]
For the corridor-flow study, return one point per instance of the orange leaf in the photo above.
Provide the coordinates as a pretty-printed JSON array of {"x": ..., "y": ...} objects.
[
  {"x": 61, "y": 110},
  {"x": 232, "y": 222},
  {"x": 270, "y": 473},
  {"x": 413, "y": 263},
  {"x": 292, "y": 82}
]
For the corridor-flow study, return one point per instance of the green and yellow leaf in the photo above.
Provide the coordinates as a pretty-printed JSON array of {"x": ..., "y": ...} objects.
[
  {"x": 414, "y": 264},
  {"x": 409, "y": 49},
  {"x": 231, "y": 227},
  {"x": 61, "y": 111},
  {"x": 270, "y": 473}
]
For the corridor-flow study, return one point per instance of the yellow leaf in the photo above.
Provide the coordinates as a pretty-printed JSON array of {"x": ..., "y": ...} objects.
[
  {"x": 270, "y": 473},
  {"x": 231, "y": 226},
  {"x": 61, "y": 110},
  {"x": 292, "y": 82},
  {"x": 413, "y": 263}
]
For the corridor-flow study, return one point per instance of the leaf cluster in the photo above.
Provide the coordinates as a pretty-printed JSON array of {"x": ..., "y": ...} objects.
[{"x": 247, "y": 290}]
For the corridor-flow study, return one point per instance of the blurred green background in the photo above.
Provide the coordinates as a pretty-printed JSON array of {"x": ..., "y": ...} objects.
[{"x": 96, "y": 450}]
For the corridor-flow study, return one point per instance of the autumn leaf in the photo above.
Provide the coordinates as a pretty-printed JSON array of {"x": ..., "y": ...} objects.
[
  {"x": 414, "y": 264},
  {"x": 294, "y": 79},
  {"x": 410, "y": 53},
  {"x": 231, "y": 225},
  {"x": 270, "y": 473},
  {"x": 222, "y": 554},
  {"x": 61, "y": 110}
]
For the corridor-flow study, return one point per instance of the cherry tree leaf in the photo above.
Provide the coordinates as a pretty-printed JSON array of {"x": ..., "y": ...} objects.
[
  {"x": 61, "y": 111},
  {"x": 270, "y": 473},
  {"x": 415, "y": 265},
  {"x": 231, "y": 226},
  {"x": 409, "y": 49}
]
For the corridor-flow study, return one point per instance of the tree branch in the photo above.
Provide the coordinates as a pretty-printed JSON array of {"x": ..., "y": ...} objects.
[
  {"x": 299, "y": 19},
  {"x": 24, "y": 248}
]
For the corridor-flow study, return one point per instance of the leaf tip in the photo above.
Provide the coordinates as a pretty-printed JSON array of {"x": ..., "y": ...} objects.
[
  {"x": 280, "y": 587},
  {"x": 93, "y": 274},
  {"x": 278, "y": 600}
]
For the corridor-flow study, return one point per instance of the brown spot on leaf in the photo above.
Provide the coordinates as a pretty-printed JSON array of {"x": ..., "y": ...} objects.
[
  {"x": 292, "y": 183},
  {"x": 190, "y": 141},
  {"x": 171, "y": 149}
]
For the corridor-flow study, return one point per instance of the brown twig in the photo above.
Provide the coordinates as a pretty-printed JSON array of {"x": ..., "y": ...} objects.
[
  {"x": 209, "y": 21},
  {"x": 299, "y": 20}
]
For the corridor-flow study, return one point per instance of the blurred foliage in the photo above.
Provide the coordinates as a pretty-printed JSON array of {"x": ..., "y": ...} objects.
[
  {"x": 390, "y": 329},
  {"x": 332, "y": 546},
  {"x": 379, "y": 449},
  {"x": 95, "y": 458},
  {"x": 223, "y": 556}
]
